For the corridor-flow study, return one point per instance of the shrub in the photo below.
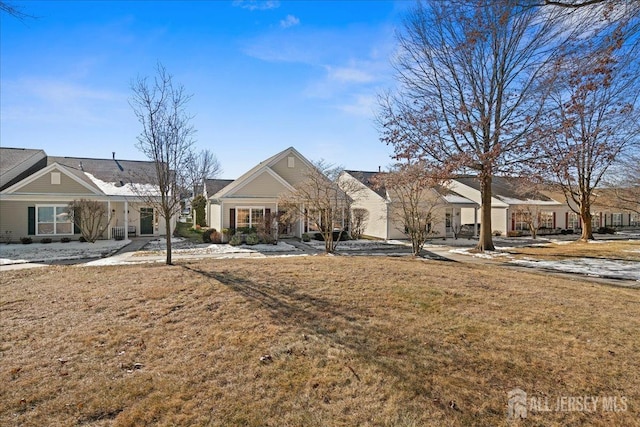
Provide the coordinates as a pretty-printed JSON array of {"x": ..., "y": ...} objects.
[
  {"x": 236, "y": 240},
  {"x": 252, "y": 239},
  {"x": 497, "y": 233},
  {"x": 65, "y": 240},
  {"x": 514, "y": 233},
  {"x": 306, "y": 238},
  {"x": 606, "y": 230},
  {"x": 226, "y": 234},
  {"x": 246, "y": 230},
  {"x": 206, "y": 235},
  {"x": 216, "y": 237},
  {"x": 82, "y": 239},
  {"x": 46, "y": 240},
  {"x": 266, "y": 238},
  {"x": 26, "y": 240}
]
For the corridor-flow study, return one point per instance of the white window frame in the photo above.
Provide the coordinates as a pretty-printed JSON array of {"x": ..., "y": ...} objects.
[
  {"x": 546, "y": 220},
  {"x": 251, "y": 220},
  {"x": 573, "y": 221},
  {"x": 55, "y": 222},
  {"x": 616, "y": 220},
  {"x": 521, "y": 221}
]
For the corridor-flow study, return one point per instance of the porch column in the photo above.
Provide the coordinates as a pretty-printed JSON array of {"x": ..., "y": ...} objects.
[
  {"x": 302, "y": 221},
  {"x": 475, "y": 222},
  {"x": 126, "y": 219},
  {"x": 109, "y": 215}
]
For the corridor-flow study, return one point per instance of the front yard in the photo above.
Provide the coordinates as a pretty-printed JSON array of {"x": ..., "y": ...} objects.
[{"x": 313, "y": 341}]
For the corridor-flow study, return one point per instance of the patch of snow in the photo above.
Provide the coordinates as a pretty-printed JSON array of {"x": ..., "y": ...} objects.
[
  {"x": 484, "y": 255},
  {"x": 128, "y": 189},
  {"x": 356, "y": 245},
  {"x": 617, "y": 269},
  {"x": 185, "y": 247},
  {"x": 46, "y": 252}
]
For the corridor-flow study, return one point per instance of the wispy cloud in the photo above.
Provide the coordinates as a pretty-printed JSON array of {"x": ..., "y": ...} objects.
[
  {"x": 349, "y": 74},
  {"x": 289, "y": 21},
  {"x": 256, "y": 4},
  {"x": 46, "y": 100},
  {"x": 363, "y": 105}
]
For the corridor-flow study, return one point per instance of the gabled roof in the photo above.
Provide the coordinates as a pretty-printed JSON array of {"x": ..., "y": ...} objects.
[
  {"x": 264, "y": 166},
  {"x": 18, "y": 163},
  {"x": 111, "y": 170},
  {"x": 510, "y": 190},
  {"x": 212, "y": 186},
  {"x": 368, "y": 179},
  {"x": 79, "y": 178},
  {"x": 452, "y": 197}
]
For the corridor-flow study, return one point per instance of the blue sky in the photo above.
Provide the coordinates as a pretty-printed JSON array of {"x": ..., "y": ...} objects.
[{"x": 264, "y": 75}]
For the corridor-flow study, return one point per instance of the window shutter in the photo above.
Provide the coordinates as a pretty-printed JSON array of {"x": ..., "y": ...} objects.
[
  {"x": 76, "y": 220},
  {"x": 31, "y": 215},
  {"x": 267, "y": 218},
  {"x": 232, "y": 218},
  {"x": 554, "y": 220}
]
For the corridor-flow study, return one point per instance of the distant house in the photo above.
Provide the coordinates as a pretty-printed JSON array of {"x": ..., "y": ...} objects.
[
  {"x": 252, "y": 199},
  {"x": 514, "y": 203},
  {"x": 380, "y": 204},
  {"x": 36, "y": 190}
]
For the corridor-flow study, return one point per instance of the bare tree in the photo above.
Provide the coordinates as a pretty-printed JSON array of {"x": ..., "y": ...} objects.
[
  {"x": 320, "y": 202},
  {"x": 166, "y": 139},
  {"x": 468, "y": 74},
  {"x": 359, "y": 219},
  {"x": 416, "y": 207},
  {"x": 91, "y": 217},
  {"x": 593, "y": 118},
  {"x": 627, "y": 189},
  {"x": 15, "y": 11},
  {"x": 201, "y": 166}
]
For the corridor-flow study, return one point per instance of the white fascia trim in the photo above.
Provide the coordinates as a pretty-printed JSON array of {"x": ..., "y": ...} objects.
[
  {"x": 46, "y": 170},
  {"x": 255, "y": 175}
]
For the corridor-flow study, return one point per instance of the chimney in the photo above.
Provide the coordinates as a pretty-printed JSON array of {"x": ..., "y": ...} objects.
[
  {"x": 379, "y": 169},
  {"x": 113, "y": 154},
  {"x": 81, "y": 166}
]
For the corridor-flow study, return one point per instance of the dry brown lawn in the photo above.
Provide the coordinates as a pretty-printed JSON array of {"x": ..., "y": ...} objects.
[
  {"x": 627, "y": 250},
  {"x": 346, "y": 341}
]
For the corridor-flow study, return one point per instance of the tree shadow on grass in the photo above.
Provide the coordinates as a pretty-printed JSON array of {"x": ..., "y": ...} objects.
[{"x": 342, "y": 325}]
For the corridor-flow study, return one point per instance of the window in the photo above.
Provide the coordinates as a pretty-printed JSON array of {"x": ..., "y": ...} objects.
[
  {"x": 573, "y": 223},
  {"x": 545, "y": 220},
  {"x": 520, "y": 221},
  {"x": 53, "y": 220},
  {"x": 291, "y": 162},
  {"x": 616, "y": 220},
  {"x": 634, "y": 220},
  {"x": 249, "y": 217},
  {"x": 595, "y": 220}
]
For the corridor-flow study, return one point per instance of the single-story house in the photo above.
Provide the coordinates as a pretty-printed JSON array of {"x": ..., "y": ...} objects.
[
  {"x": 253, "y": 198},
  {"x": 379, "y": 202},
  {"x": 37, "y": 189},
  {"x": 514, "y": 203}
]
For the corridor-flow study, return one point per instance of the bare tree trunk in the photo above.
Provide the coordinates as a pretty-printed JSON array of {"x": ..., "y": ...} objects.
[
  {"x": 485, "y": 242},
  {"x": 167, "y": 223},
  {"x": 587, "y": 225}
]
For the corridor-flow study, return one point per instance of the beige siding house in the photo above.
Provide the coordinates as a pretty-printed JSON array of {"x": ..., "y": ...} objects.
[
  {"x": 252, "y": 199},
  {"x": 379, "y": 202},
  {"x": 34, "y": 199}
]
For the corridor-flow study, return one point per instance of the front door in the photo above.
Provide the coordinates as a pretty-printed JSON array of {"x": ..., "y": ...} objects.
[{"x": 146, "y": 221}]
